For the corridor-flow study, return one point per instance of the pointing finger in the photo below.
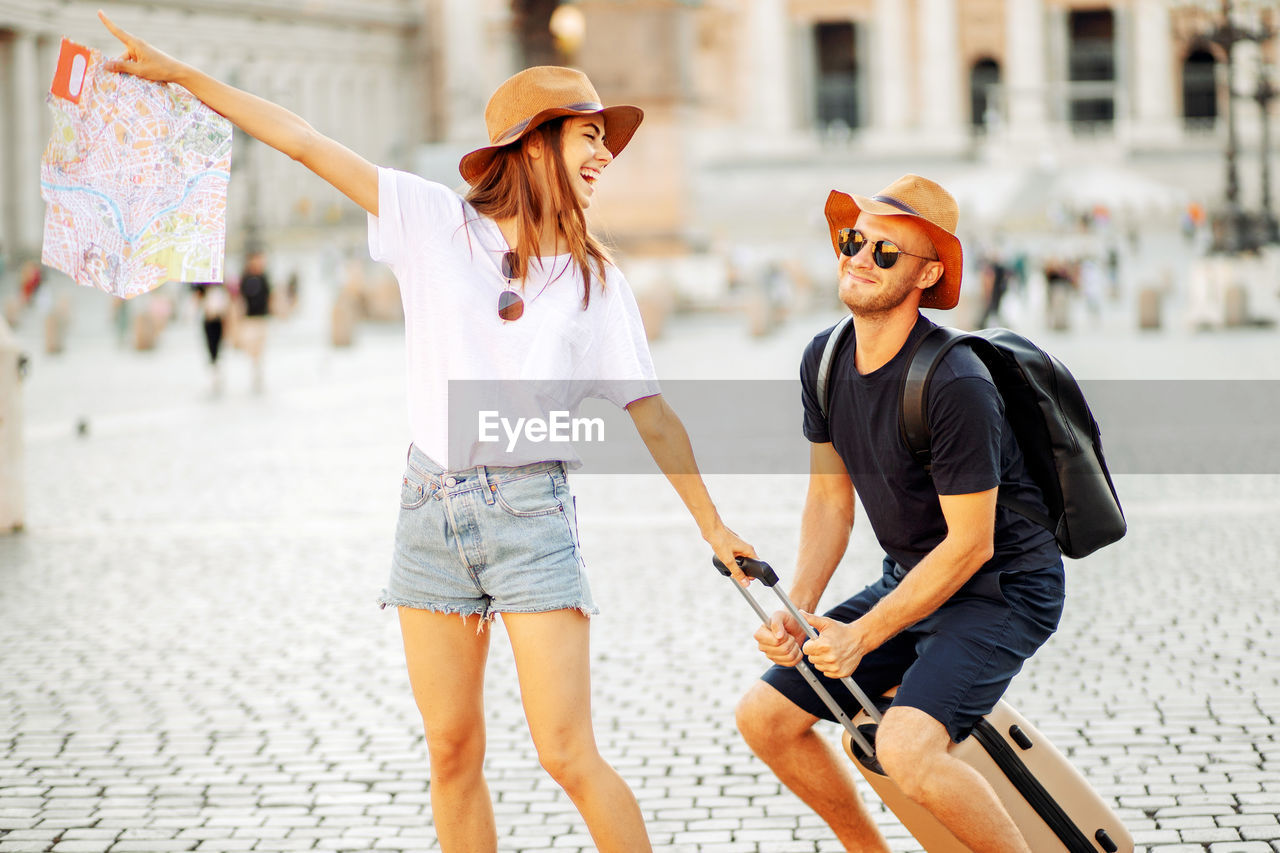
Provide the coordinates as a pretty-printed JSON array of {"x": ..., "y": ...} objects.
[{"x": 115, "y": 31}]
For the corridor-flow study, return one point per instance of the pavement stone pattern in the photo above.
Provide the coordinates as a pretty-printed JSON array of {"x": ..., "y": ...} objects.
[{"x": 191, "y": 659}]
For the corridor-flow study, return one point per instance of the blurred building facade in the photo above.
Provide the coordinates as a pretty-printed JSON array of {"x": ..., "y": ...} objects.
[{"x": 754, "y": 108}]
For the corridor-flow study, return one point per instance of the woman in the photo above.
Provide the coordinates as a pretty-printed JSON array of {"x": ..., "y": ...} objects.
[
  {"x": 213, "y": 302},
  {"x": 506, "y": 284}
]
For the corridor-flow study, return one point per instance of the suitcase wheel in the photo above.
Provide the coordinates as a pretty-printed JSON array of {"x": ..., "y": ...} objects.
[{"x": 870, "y": 762}]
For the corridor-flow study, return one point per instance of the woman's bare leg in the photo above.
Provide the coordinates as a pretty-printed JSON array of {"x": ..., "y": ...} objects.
[
  {"x": 552, "y": 661},
  {"x": 446, "y": 658}
]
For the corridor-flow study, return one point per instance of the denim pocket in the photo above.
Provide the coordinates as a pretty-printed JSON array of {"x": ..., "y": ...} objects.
[
  {"x": 529, "y": 497},
  {"x": 412, "y": 494}
]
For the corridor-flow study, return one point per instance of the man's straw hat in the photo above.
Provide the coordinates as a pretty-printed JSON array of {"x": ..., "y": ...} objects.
[
  {"x": 537, "y": 94},
  {"x": 926, "y": 203}
]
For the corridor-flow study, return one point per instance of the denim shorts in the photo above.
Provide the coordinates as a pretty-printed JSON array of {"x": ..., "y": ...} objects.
[
  {"x": 487, "y": 540},
  {"x": 954, "y": 664}
]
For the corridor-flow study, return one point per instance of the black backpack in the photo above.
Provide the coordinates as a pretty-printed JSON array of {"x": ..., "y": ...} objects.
[{"x": 1059, "y": 437}]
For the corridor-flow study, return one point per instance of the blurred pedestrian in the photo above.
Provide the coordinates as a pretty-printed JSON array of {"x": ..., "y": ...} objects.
[
  {"x": 1060, "y": 277},
  {"x": 120, "y": 318},
  {"x": 30, "y": 279},
  {"x": 502, "y": 284},
  {"x": 10, "y": 303},
  {"x": 1192, "y": 220},
  {"x": 995, "y": 283},
  {"x": 213, "y": 302},
  {"x": 255, "y": 291},
  {"x": 1113, "y": 272},
  {"x": 1093, "y": 286}
]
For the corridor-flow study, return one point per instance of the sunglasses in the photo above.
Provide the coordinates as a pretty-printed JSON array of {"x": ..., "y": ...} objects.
[
  {"x": 883, "y": 252},
  {"x": 510, "y": 302}
]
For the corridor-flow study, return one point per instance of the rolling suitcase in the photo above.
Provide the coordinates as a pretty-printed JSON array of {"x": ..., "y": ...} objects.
[{"x": 1051, "y": 803}]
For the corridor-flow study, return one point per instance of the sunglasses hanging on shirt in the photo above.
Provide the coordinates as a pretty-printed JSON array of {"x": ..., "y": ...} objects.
[{"x": 510, "y": 302}]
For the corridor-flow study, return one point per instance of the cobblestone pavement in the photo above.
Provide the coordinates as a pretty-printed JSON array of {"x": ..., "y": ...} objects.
[{"x": 190, "y": 656}]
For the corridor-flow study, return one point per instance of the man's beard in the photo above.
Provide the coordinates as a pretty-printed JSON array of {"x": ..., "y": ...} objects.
[{"x": 882, "y": 300}]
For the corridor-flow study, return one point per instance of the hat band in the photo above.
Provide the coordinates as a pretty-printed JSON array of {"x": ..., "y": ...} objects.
[
  {"x": 517, "y": 129},
  {"x": 893, "y": 202}
]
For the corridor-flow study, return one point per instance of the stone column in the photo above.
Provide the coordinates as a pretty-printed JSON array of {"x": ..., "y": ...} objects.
[
  {"x": 765, "y": 72},
  {"x": 8, "y": 161},
  {"x": 889, "y": 71},
  {"x": 941, "y": 76},
  {"x": 466, "y": 61},
  {"x": 28, "y": 92},
  {"x": 1026, "y": 86},
  {"x": 1154, "y": 105}
]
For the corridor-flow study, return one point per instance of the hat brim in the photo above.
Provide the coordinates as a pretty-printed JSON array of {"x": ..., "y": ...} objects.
[
  {"x": 842, "y": 211},
  {"x": 620, "y": 123}
]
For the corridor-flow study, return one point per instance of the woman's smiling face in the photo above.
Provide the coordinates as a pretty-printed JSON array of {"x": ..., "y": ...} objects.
[{"x": 585, "y": 155}]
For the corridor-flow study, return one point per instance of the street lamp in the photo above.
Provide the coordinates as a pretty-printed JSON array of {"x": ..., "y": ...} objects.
[
  {"x": 1264, "y": 94},
  {"x": 1223, "y": 30},
  {"x": 569, "y": 27}
]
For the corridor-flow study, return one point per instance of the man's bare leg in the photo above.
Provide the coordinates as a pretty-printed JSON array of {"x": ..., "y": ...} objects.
[
  {"x": 912, "y": 748},
  {"x": 782, "y": 735}
]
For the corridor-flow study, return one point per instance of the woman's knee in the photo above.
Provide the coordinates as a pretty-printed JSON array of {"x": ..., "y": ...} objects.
[
  {"x": 456, "y": 750},
  {"x": 568, "y": 757}
]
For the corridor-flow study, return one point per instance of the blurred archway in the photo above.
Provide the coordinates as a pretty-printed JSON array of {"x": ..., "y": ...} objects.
[
  {"x": 1200, "y": 90},
  {"x": 984, "y": 80}
]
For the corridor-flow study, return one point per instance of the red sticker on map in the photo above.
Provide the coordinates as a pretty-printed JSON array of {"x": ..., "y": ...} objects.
[{"x": 73, "y": 66}]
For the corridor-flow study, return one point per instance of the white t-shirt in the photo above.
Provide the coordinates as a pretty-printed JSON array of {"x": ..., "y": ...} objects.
[{"x": 447, "y": 258}]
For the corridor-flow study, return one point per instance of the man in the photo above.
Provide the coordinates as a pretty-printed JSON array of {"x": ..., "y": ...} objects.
[
  {"x": 969, "y": 590},
  {"x": 255, "y": 290}
]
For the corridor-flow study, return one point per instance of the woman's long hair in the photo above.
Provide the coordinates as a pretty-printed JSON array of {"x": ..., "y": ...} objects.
[{"x": 507, "y": 189}]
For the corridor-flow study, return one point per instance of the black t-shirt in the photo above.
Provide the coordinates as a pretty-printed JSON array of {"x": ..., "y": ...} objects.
[
  {"x": 257, "y": 294},
  {"x": 973, "y": 450}
]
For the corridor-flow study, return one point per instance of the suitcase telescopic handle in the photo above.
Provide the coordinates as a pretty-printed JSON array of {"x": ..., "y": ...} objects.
[
  {"x": 756, "y": 569},
  {"x": 762, "y": 571}
]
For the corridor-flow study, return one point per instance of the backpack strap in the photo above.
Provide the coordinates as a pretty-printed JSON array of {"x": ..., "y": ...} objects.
[
  {"x": 823, "y": 385},
  {"x": 913, "y": 421},
  {"x": 913, "y": 413}
]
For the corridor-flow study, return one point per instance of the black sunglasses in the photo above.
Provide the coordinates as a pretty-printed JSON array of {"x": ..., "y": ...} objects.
[
  {"x": 883, "y": 252},
  {"x": 510, "y": 302}
]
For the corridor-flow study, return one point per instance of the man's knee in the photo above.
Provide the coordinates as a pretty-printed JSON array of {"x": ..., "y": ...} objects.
[
  {"x": 767, "y": 719},
  {"x": 908, "y": 744}
]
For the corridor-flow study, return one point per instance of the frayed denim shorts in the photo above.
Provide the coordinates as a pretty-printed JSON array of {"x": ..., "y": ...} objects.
[{"x": 487, "y": 540}]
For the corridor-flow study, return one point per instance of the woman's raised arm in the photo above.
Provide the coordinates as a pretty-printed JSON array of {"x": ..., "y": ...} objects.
[{"x": 353, "y": 175}]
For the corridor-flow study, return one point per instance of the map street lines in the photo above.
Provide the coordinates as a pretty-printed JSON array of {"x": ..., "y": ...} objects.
[{"x": 135, "y": 179}]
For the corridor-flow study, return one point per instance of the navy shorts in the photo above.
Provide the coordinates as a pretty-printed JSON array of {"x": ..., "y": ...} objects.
[{"x": 954, "y": 664}]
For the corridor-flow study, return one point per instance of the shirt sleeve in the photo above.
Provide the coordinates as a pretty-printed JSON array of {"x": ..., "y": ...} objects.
[
  {"x": 408, "y": 204},
  {"x": 815, "y": 425},
  {"x": 966, "y": 417},
  {"x": 620, "y": 360}
]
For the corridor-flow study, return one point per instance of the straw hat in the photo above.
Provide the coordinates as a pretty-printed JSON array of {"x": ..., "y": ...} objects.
[
  {"x": 926, "y": 203},
  {"x": 537, "y": 94}
]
